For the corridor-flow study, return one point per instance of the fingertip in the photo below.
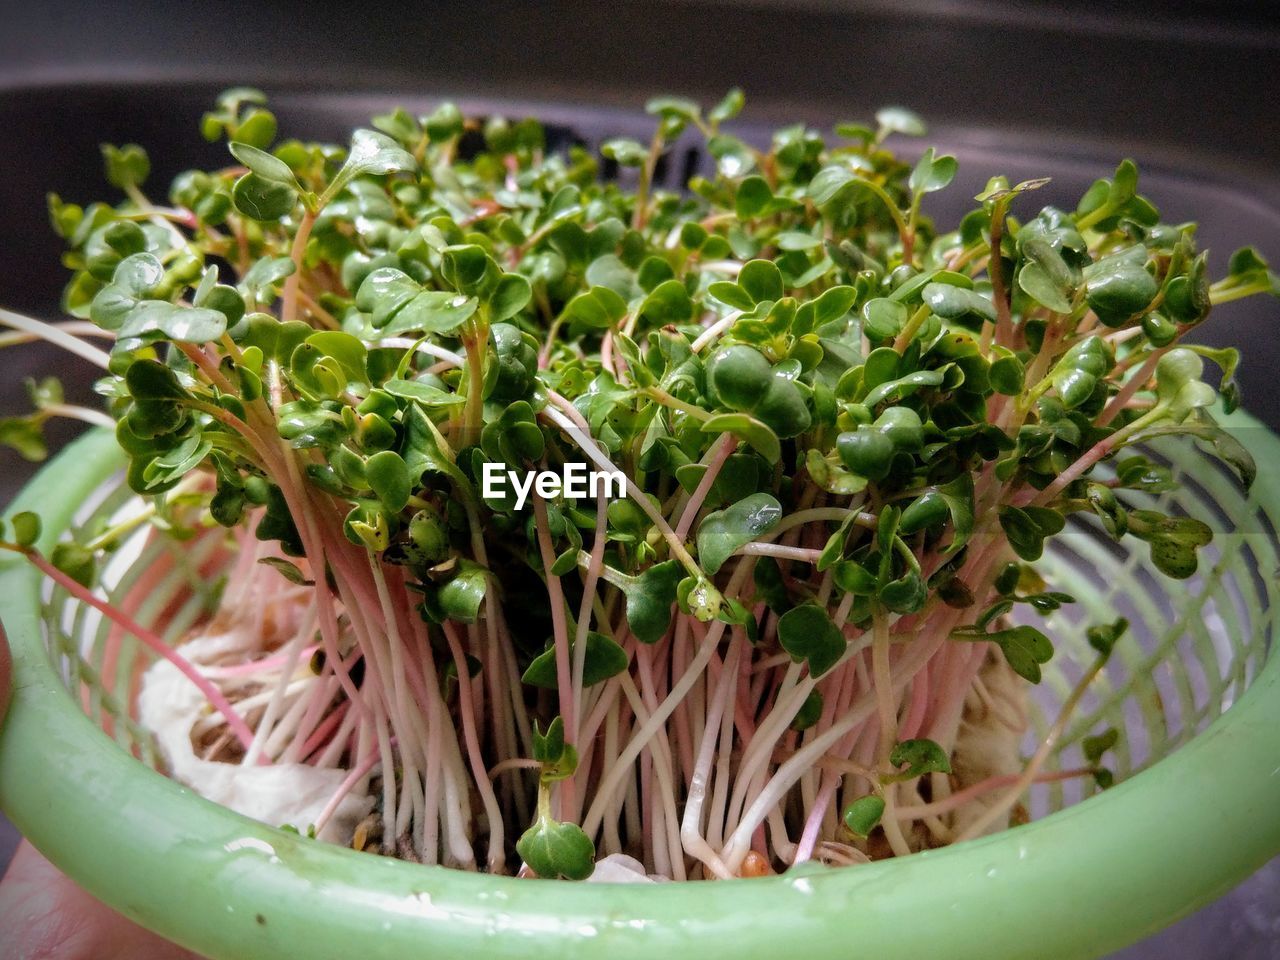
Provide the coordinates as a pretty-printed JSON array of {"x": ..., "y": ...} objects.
[{"x": 45, "y": 916}]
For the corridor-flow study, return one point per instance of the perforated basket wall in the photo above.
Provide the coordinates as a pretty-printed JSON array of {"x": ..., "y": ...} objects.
[{"x": 1194, "y": 646}]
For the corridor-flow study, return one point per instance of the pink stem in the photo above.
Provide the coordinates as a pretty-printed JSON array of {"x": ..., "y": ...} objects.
[
  {"x": 809, "y": 838},
  {"x": 157, "y": 645},
  {"x": 344, "y": 788},
  {"x": 322, "y": 732},
  {"x": 1132, "y": 386},
  {"x": 253, "y": 666},
  {"x": 560, "y": 626},
  {"x": 919, "y": 702},
  {"x": 960, "y": 798},
  {"x": 728, "y": 443}
]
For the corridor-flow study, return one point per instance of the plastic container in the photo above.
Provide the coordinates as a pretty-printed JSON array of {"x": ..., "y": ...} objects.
[{"x": 1196, "y": 810}]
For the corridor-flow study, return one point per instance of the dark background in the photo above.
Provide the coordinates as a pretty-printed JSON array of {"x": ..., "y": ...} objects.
[{"x": 1189, "y": 88}]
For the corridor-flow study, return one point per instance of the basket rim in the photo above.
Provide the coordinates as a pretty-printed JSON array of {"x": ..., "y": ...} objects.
[{"x": 1079, "y": 882}]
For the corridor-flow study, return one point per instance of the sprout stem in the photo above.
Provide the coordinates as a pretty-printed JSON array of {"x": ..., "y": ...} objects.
[
  {"x": 157, "y": 645},
  {"x": 55, "y": 334}
]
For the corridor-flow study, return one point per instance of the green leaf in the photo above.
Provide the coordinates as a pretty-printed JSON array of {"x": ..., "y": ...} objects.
[
  {"x": 674, "y": 107},
  {"x": 126, "y": 166},
  {"x": 262, "y": 200},
  {"x": 45, "y": 392},
  {"x": 423, "y": 393},
  {"x": 349, "y": 353},
  {"x": 265, "y": 274},
  {"x": 549, "y": 747},
  {"x": 739, "y": 375},
  {"x": 761, "y": 280},
  {"x": 389, "y": 478},
  {"x": 810, "y": 712},
  {"x": 911, "y": 288},
  {"x": 151, "y": 380},
  {"x": 627, "y": 153},
  {"x": 807, "y": 633},
  {"x": 932, "y": 172},
  {"x": 398, "y": 304},
  {"x": 287, "y": 570},
  {"x": 831, "y": 305},
  {"x": 1095, "y": 746},
  {"x": 733, "y": 156},
  {"x": 731, "y": 294},
  {"x": 918, "y": 757},
  {"x": 853, "y": 577},
  {"x": 26, "y": 528},
  {"x": 959, "y": 497},
  {"x": 75, "y": 561},
  {"x": 650, "y": 598},
  {"x": 444, "y": 123},
  {"x": 863, "y": 815},
  {"x": 460, "y": 598},
  {"x": 1036, "y": 282},
  {"x": 257, "y": 129},
  {"x": 866, "y": 451},
  {"x": 558, "y": 762},
  {"x": 384, "y": 292},
  {"x": 514, "y": 436},
  {"x": 753, "y": 197},
  {"x": 215, "y": 296},
  {"x": 1007, "y": 375},
  {"x": 556, "y": 850},
  {"x": 265, "y": 166},
  {"x": 1216, "y": 437},
  {"x": 1245, "y": 262},
  {"x": 1173, "y": 540},
  {"x": 468, "y": 268},
  {"x": 1103, "y": 638},
  {"x": 1124, "y": 184},
  {"x": 763, "y": 440},
  {"x": 728, "y": 108},
  {"x": 1027, "y": 528},
  {"x": 604, "y": 659},
  {"x": 135, "y": 277},
  {"x": 1178, "y": 382},
  {"x": 900, "y": 120},
  {"x": 832, "y": 184},
  {"x": 1025, "y": 648},
  {"x": 855, "y": 131},
  {"x": 157, "y": 319},
  {"x": 26, "y": 436},
  {"x": 895, "y": 390},
  {"x": 376, "y": 154},
  {"x": 883, "y": 319},
  {"x": 724, "y": 532},
  {"x": 956, "y": 303},
  {"x": 598, "y": 308},
  {"x": 906, "y": 594},
  {"x": 927, "y": 510},
  {"x": 667, "y": 303},
  {"x": 833, "y": 549},
  {"x": 1118, "y": 287},
  {"x": 509, "y": 297}
]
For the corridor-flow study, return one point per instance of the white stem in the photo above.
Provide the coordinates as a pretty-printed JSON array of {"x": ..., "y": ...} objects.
[
  {"x": 713, "y": 331},
  {"x": 54, "y": 334}
]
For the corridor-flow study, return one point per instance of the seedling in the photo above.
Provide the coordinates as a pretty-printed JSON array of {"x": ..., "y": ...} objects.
[{"x": 842, "y": 436}]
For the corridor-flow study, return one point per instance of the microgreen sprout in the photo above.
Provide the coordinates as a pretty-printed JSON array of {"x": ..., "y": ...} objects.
[{"x": 847, "y": 436}]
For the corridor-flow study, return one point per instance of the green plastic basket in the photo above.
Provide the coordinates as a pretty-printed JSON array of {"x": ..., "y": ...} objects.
[{"x": 1082, "y": 879}]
